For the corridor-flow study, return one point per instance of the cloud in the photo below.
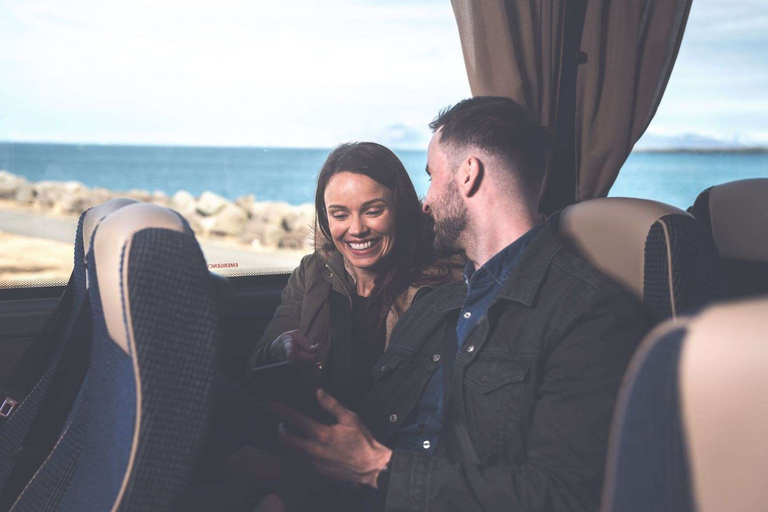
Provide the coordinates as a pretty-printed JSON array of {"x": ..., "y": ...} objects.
[{"x": 302, "y": 73}]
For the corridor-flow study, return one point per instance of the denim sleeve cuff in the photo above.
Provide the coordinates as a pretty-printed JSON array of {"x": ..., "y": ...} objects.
[{"x": 407, "y": 481}]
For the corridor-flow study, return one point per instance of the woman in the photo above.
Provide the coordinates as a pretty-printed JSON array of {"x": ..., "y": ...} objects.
[
  {"x": 373, "y": 257},
  {"x": 373, "y": 254}
]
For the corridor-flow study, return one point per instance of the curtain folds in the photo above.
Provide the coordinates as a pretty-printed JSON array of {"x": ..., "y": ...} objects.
[{"x": 517, "y": 48}]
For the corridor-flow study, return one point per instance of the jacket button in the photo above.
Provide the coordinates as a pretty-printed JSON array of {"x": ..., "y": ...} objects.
[
  {"x": 436, "y": 357},
  {"x": 393, "y": 418},
  {"x": 467, "y": 314},
  {"x": 319, "y": 365},
  {"x": 471, "y": 348},
  {"x": 426, "y": 445}
]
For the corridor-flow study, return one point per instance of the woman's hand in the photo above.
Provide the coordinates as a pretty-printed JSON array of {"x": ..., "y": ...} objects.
[
  {"x": 346, "y": 451},
  {"x": 294, "y": 346}
]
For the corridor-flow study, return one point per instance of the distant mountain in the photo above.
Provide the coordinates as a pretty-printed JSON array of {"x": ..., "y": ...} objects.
[
  {"x": 402, "y": 136},
  {"x": 695, "y": 143}
]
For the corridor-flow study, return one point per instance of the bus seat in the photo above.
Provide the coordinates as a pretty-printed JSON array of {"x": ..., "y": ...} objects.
[
  {"x": 49, "y": 373},
  {"x": 736, "y": 213},
  {"x": 689, "y": 428},
  {"x": 140, "y": 417},
  {"x": 660, "y": 253}
]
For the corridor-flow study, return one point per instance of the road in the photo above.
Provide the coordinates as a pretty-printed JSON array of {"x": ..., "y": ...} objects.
[{"x": 63, "y": 230}]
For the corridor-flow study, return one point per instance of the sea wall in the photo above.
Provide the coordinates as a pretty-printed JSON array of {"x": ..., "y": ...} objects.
[{"x": 259, "y": 224}]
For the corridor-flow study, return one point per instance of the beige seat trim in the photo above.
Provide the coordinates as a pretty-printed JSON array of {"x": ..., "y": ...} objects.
[
  {"x": 112, "y": 247},
  {"x": 724, "y": 401},
  {"x": 738, "y": 214},
  {"x": 112, "y": 240},
  {"x": 670, "y": 279},
  {"x": 621, "y": 256},
  {"x": 92, "y": 219},
  {"x": 96, "y": 214},
  {"x": 650, "y": 341}
]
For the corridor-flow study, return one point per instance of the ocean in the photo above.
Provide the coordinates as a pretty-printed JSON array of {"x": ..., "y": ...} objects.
[{"x": 282, "y": 174}]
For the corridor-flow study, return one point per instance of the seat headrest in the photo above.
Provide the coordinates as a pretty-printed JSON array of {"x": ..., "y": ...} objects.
[
  {"x": 689, "y": 426},
  {"x": 611, "y": 234},
  {"x": 738, "y": 213},
  {"x": 723, "y": 384},
  {"x": 111, "y": 244}
]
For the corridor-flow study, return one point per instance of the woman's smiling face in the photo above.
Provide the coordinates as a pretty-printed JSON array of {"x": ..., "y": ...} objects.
[{"x": 361, "y": 218}]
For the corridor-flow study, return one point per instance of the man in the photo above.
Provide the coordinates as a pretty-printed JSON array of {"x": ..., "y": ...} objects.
[{"x": 495, "y": 393}]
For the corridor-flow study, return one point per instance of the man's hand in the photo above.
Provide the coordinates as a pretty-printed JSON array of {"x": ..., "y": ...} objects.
[
  {"x": 294, "y": 346},
  {"x": 345, "y": 451}
]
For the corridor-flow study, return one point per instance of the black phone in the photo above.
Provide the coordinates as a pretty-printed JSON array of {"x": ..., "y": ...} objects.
[{"x": 284, "y": 383}]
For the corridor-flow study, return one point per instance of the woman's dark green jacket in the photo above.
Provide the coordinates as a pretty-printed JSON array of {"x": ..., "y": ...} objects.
[{"x": 318, "y": 290}]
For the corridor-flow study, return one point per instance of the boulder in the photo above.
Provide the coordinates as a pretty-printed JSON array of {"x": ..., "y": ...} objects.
[
  {"x": 246, "y": 203},
  {"x": 296, "y": 239},
  {"x": 184, "y": 203},
  {"x": 210, "y": 204},
  {"x": 270, "y": 212},
  {"x": 62, "y": 197},
  {"x": 195, "y": 223},
  {"x": 160, "y": 198},
  {"x": 102, "y": 195},
  {"x": 264, "y": 234},
  {"x": 25, "y": 193},
  {"x": 10, "y": 184},
  {"x": 139, "y": 195},
  {"x": 299, "y": 217},
  {"x": 230, "y": 221}
]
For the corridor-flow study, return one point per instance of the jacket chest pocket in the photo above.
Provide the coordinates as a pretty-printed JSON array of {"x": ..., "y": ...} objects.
[
  {"x": 493, "y": 392},
  {"x": 388, "y": 363}
]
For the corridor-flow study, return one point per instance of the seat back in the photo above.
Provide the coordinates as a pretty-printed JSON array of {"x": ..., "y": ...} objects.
[
  {"x": 49, "y": 373},
  {"x": 656, "y": 251},
  {"x": 736, "y": 213},
  {"x": 690, "y": 422},
  {"x": 141, "y": 414}
]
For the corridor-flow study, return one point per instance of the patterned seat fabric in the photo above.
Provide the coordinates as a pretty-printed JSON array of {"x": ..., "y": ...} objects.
[
  {"x": 52, "y": 370},
  {"x": 140, "y": 418},
  {"x": 661, "y": 254},
  {"x": 689, "y": 427},
  {"x": 736, "y": 214}
]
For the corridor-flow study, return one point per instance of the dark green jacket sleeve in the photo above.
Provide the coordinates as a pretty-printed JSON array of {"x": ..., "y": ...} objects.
[
  {"x": 287, "y": 315},
  {"x": 567, "y": 439}
]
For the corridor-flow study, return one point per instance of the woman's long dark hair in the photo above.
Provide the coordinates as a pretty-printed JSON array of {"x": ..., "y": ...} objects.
[{"x": 412, "y": 252}]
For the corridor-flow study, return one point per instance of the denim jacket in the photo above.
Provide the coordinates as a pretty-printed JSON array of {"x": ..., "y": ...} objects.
[{"x": 530, "y": 394}]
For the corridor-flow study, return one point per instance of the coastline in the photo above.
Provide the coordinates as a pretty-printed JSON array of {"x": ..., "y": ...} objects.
[
  {"x": 245, "y": 222},
  {"x": 38, "y": 220}
]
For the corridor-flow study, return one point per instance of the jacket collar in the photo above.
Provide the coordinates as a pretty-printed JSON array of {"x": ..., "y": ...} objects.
[
  {"x": 525, "y": 278},
  {"x": 341, "y": 275}
]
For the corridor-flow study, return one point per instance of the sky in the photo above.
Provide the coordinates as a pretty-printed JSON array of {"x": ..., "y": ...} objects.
[{"x": 310, "y": 73}]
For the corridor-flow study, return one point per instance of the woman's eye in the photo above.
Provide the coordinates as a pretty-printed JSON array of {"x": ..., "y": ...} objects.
[{"x": 339, "y": 216}]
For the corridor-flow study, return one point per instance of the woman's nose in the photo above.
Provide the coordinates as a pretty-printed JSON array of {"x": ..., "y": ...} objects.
[{"x": 358, "y": 226}]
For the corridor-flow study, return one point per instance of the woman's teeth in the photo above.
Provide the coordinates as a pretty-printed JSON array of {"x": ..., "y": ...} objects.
[{"x": 361, "y": 246}]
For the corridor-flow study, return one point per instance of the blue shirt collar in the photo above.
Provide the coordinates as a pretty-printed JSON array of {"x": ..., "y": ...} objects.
[{"x": 500, "y": 265}]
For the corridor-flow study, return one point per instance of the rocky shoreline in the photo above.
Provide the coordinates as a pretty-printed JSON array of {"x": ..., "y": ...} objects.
[{"x": 257, "y": 225}]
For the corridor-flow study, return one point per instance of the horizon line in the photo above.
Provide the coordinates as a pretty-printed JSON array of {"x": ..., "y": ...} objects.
[{"x": 754, "y": 148}]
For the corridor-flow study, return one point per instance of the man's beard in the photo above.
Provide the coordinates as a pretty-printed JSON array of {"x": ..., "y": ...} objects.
[{"x": 452, "y": 220}]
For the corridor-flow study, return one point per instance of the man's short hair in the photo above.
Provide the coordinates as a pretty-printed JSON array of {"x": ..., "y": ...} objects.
[{"x": 502, "y": 128}]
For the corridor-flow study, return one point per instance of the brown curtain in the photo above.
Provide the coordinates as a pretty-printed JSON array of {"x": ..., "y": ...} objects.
[{"x": 516, "y": 48}]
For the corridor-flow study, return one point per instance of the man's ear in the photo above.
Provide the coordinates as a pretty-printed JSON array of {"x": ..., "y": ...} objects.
[{"x": 471, "y": 175}]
